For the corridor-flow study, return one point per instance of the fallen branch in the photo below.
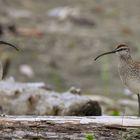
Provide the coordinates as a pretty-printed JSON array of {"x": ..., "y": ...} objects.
[
  {"x": 33, "y": 99},
  {"x": 73, "y": 128}
]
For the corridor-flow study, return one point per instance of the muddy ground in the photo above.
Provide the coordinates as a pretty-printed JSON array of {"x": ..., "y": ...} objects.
[{"x": 65, "y": 41}]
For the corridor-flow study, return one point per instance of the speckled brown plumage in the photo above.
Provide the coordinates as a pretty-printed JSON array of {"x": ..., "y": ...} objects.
[{"x": 129, "y": 69}]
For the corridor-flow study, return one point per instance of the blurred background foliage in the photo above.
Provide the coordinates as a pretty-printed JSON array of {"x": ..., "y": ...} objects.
[{"x": 59, "y": 40}]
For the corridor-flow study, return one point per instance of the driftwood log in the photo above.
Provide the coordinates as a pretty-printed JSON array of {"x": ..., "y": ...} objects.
[
  {"x": 34, "y": 99},
  {"x": 69, "y": 128}
]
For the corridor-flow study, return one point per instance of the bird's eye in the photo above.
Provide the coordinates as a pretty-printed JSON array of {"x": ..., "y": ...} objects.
[{"x": 123, "y": 49}]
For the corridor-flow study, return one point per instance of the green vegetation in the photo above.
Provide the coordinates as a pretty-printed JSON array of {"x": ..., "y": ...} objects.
[
  {"x": 56, "y": 78},
  {"x": 89, "y": 137},
  {"x": 115, "y": 113},
  {"x": 105, "y": 75}
]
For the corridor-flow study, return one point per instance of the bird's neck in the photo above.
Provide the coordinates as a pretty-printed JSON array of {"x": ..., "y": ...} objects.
[{"x": 126, "y": 59}]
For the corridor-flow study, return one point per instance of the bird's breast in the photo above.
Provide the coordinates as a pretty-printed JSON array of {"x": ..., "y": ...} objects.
[
  {"x": 133, "y": 85},
  {"x": 130, "y": 78}
]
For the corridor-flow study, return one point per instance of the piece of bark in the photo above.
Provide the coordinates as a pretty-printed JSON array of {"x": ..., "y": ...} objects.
[
  {"x": 69, "y": 128},
  {"x": 28, "y": 32},
  {"x": 30, "y": 99},
  {"x": 82, "y": 21},
  {"x": 1, "y": 30}
]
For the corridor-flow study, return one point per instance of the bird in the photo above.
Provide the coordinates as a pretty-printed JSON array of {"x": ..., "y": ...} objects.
[
  {"x": 129, "y": 69},
  {"x": 1, "y": 67}
]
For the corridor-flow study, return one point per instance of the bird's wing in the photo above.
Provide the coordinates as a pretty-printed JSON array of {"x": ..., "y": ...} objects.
[
  {"x": 137, "y": 67},
  {"x": 137, "y": 64}
]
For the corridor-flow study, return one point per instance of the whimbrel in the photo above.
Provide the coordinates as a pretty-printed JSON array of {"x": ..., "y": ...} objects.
[{"x": 129, "y": 69}]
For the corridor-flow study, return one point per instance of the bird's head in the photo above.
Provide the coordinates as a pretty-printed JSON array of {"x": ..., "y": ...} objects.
[{"x": 121, "y": 50}]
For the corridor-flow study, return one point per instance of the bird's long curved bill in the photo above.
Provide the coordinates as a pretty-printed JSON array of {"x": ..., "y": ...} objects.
[
  {"x": 6, "y": 43},
  {"x": 105, "y": 54}
]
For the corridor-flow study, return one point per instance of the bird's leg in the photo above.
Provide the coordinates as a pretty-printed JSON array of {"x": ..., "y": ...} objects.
[
  {"x": 138, "y": 104},
  {"x": 1, "y": 71}
]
